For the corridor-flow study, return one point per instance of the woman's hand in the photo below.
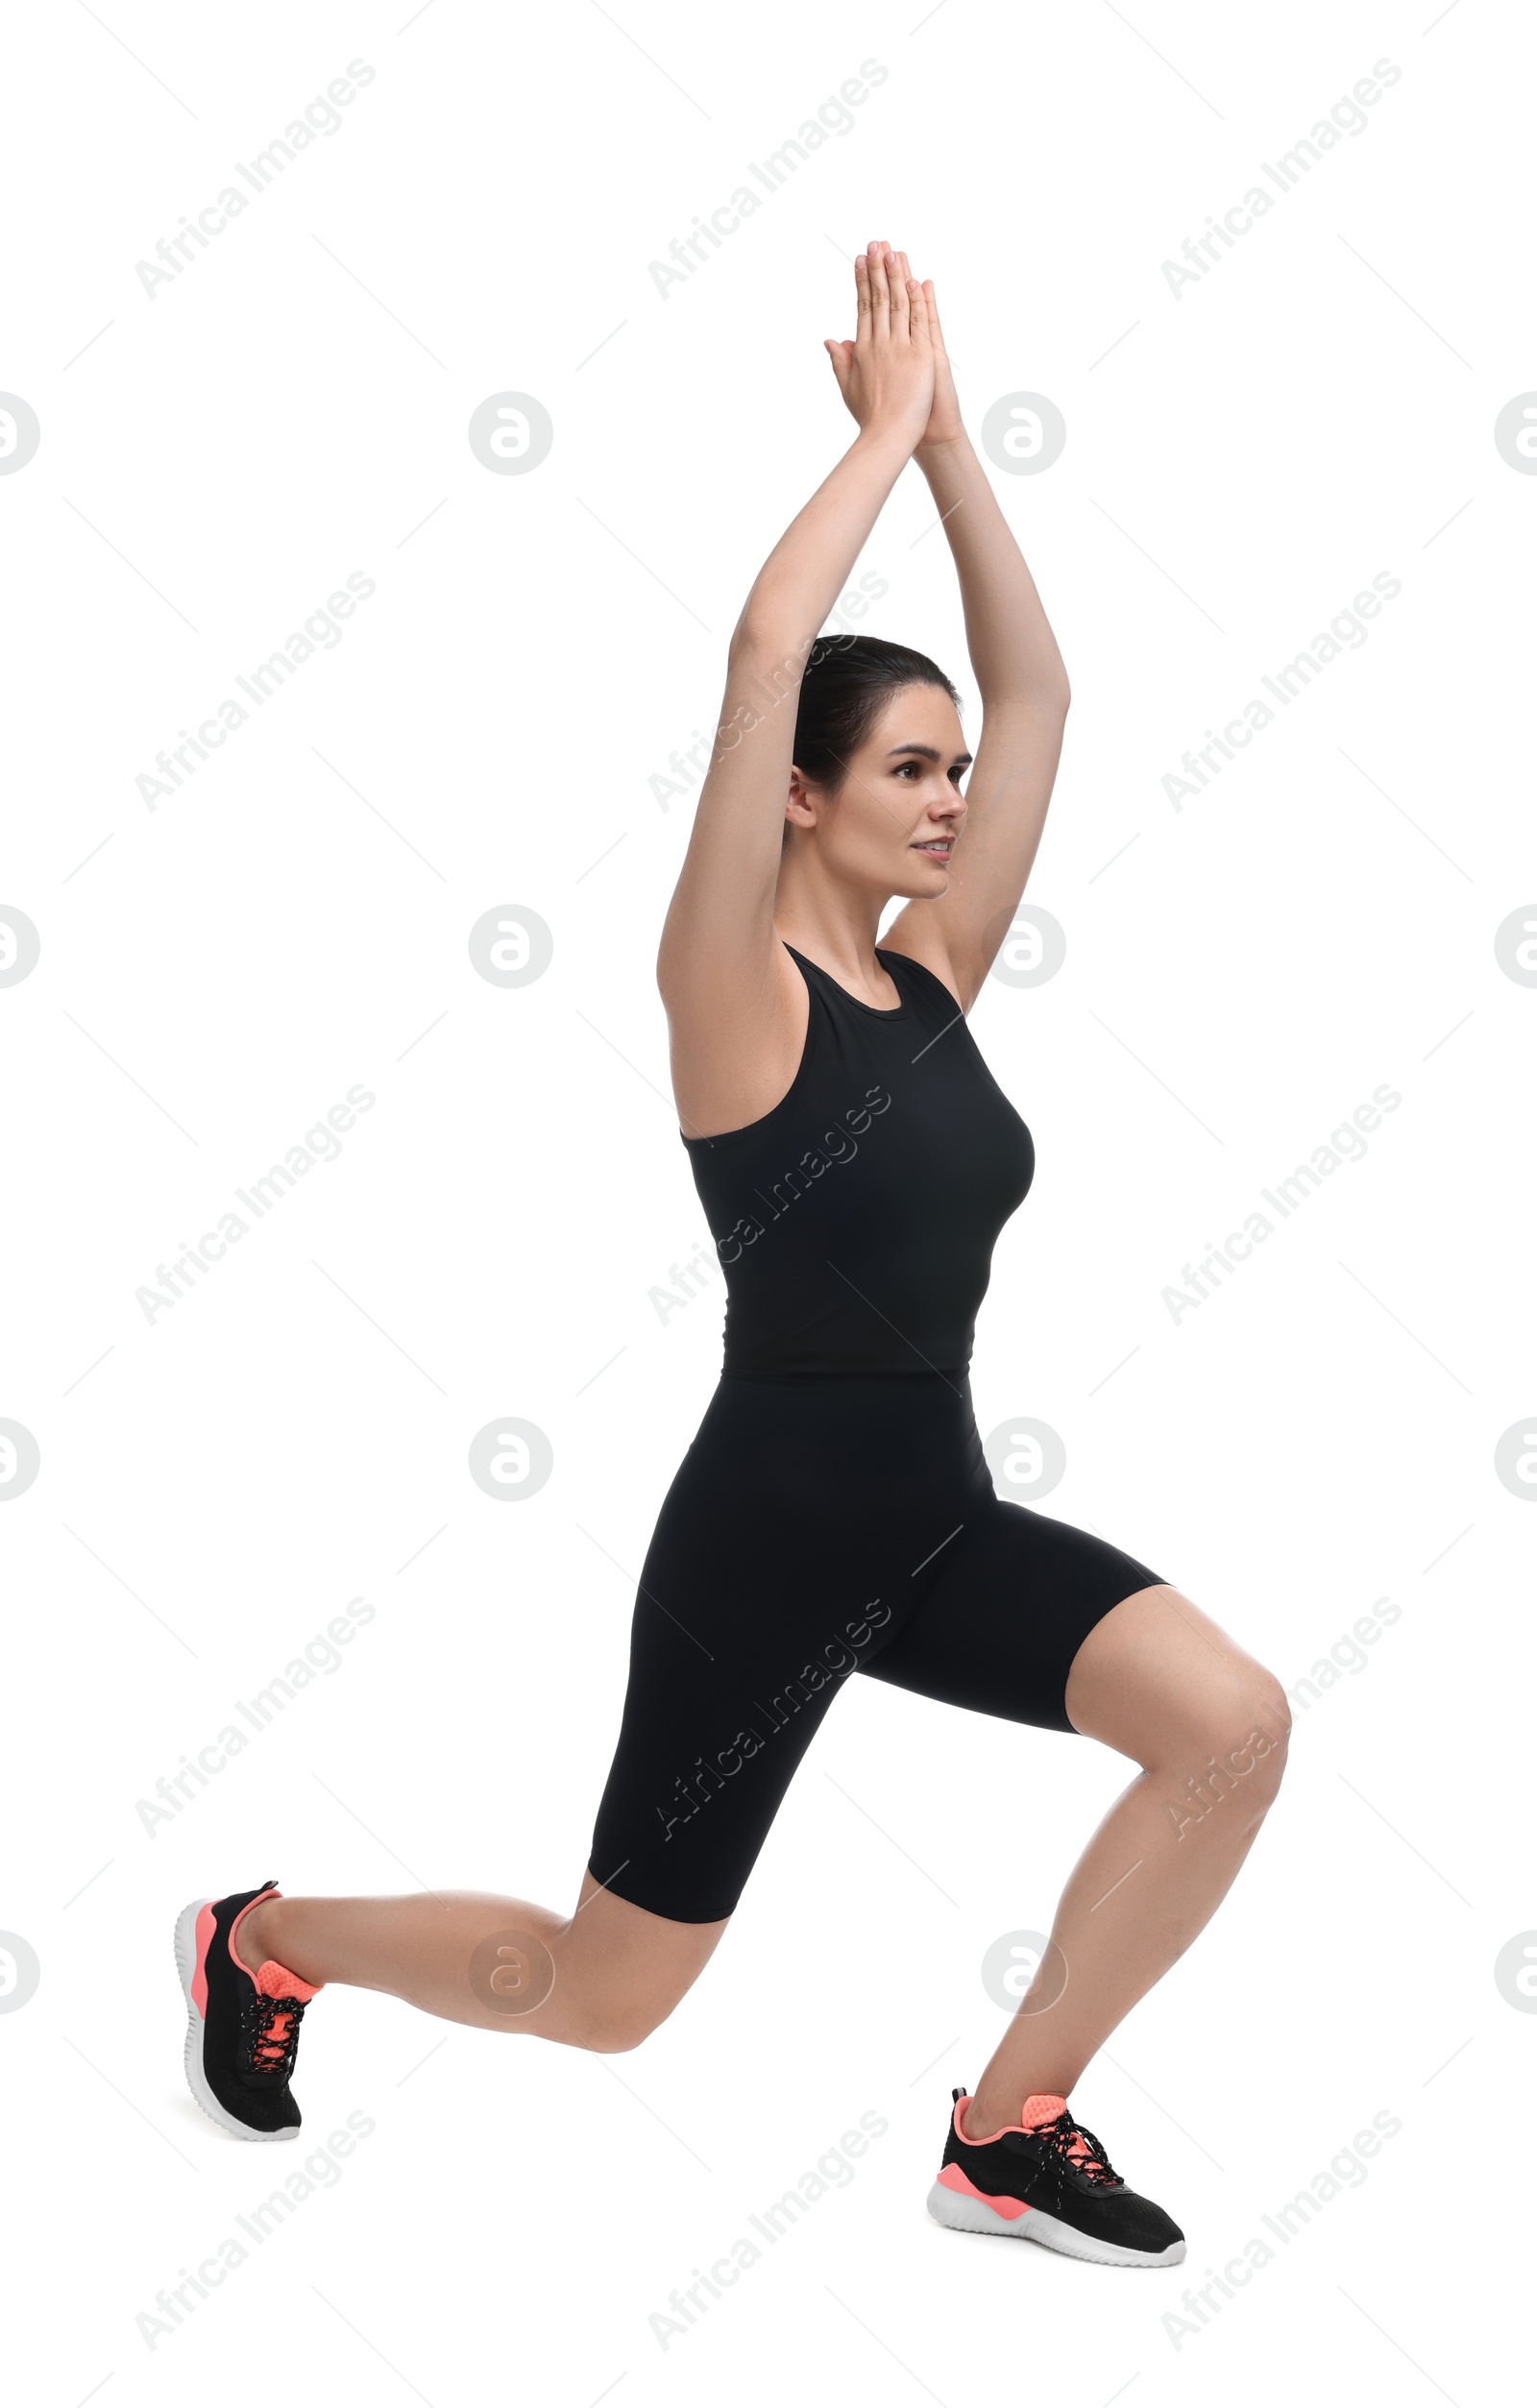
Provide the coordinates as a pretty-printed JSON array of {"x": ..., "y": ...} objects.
[
  {"x": 944, "y": 418},
  {"x": 887, "y": 374}
]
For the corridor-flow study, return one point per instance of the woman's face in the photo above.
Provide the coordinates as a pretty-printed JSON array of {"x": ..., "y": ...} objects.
[{"x": 894, "y": 822}]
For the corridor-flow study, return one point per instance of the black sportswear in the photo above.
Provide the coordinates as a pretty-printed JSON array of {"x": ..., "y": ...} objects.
[
  {"x": 835, "y": 1511},
  {"x": 855, "y": 1222}
]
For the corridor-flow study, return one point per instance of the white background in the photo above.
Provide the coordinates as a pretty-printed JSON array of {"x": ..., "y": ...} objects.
[{"x": 216, "y": 973}]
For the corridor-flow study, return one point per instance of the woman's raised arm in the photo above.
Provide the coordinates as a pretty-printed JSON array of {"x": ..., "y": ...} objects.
[
  {"x": 720, "y": 968},
  {"x": 1024, "y": 694}
]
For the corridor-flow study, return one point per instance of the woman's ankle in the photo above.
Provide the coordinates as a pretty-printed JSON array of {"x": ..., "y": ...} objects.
[
  {"x": 989, "y": 2111},
  {"x": 253, "y": 1937},
  {"x": 982, "y": 2115}
]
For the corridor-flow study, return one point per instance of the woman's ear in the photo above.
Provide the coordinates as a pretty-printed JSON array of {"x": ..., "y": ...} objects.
[{"x": 801, "y": 810}]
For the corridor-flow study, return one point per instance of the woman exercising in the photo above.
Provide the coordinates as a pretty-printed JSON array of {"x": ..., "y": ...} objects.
[{"x": 834, "y": 1514}]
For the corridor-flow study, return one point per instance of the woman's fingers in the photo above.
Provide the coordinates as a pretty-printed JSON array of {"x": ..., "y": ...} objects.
[
  {"x": 916, "y": 304},
  {"x": 932, "y": 312},
  {"x": 904, "y": 311},
  {"x": 896, "y": 285},
  {"x": 861, "y": 289},
  {"x": 880, "y": 291}
]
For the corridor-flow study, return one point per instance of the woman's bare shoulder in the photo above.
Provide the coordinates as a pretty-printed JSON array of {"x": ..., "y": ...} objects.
[{"x": 736, "y": 1036}]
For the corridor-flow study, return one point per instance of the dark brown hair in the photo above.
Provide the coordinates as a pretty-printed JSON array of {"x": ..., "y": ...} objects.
[{"x": 847, "y": 682}]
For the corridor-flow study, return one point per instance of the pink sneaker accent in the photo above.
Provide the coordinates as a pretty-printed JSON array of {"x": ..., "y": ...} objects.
[
  {"x": 200, "y": 1958},
  {"x": 275, "y": 1980},
  {"x": 1042, "y": 2106},
  {"x": 951, "y": 2178}
]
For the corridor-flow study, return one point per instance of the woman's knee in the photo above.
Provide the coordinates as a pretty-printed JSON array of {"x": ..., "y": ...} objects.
[
  {"x": 622, "y": 1969},
  {"x": 1242, "y": 1735},
  {"x": 1268, "y": 1712},
  {"x": 622, "y": 2023}
]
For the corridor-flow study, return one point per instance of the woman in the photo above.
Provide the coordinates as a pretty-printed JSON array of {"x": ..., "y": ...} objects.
[{"x": 834, "y": 1513}]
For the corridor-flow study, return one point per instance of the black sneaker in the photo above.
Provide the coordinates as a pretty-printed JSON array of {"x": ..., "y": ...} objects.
[
  {"x": 242, "y": 2032},
  {"x": 1046, "y": 2179}
]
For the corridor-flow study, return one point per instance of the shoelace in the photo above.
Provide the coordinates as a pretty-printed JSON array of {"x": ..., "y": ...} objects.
[
  {"x": 1076, "y": 2147},
  {"x": 271, "y": 2032}
]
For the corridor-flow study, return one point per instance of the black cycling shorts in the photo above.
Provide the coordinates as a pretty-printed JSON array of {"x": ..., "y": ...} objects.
[{"x": 819, "y": 1527}]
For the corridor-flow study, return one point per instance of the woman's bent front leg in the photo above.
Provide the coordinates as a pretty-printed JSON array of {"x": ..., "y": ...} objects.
[{"x": 1159, "y": 1682}]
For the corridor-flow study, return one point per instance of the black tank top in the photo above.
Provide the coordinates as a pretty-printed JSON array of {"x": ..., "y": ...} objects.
[{"x": 855, "y": 1223}]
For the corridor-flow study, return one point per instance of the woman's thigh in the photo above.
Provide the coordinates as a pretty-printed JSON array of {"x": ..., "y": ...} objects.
[
  {"x": 1158, "y": 1680},
  {"x": 1038, "y": 1621},
  {"x": 784, "y": 1555},
  {"x": 1013, "y": 1603}
]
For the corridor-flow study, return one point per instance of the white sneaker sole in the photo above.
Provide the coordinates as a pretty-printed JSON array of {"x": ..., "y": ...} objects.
[
  {"x": 960, "y": 2214},
  {"x": 187, "y": 1964}
]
